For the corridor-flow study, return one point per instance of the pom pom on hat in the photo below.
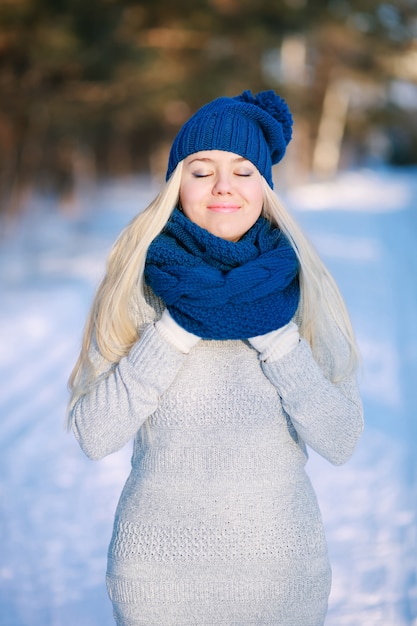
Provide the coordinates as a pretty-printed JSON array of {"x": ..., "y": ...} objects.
[
  {"x": 257, "y": 127},
  {"x": 274, "y": 105}
]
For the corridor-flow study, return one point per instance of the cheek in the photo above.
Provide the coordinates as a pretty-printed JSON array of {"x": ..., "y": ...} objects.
[
  {"x": 190, "y": 192},
  {"x": 257, "y": 196},
  {"x": 190, "y": 204},
  {"x": 256, "y": 204},
  {"x": 252, "y": 217}
]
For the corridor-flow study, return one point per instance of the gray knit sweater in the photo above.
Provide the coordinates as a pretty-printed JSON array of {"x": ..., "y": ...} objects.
[{"x": 218, "y": 523}]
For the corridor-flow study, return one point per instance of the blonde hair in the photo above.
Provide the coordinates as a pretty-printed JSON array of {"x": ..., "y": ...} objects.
[
  {"x": 114, "y": 329},
  {"x": 110, "y": 323},
  {"x": 322, "y": 313}
]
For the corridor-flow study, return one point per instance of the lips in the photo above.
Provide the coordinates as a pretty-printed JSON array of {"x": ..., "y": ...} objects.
[{"x": 223, "y": 208}]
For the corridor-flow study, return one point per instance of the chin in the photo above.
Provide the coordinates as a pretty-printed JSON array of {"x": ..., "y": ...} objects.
[{"x": 226, "y": 233}]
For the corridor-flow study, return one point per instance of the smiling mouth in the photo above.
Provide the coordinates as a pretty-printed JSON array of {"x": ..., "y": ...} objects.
[{"x": 223, "y": 208}]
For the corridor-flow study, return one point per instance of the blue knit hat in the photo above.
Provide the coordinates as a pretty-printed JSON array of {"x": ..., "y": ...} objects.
[{"x": 259, "y": 128}]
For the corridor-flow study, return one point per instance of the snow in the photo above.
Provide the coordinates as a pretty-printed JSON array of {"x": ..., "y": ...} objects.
[{"x": 57, "y": 507}]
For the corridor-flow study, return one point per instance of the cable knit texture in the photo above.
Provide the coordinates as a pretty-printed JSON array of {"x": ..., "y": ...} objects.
[
  {"x": 218, "y": 524},
  {"x": 218, "y": 289}
]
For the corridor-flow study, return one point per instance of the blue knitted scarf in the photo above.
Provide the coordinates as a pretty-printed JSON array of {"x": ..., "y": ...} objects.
[{"x": 218, "y": 289}]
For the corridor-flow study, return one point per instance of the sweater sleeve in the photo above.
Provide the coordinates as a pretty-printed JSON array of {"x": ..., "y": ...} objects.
[
  {"x": 327, "y": 416},
  {"x": 114, "y": 409}
]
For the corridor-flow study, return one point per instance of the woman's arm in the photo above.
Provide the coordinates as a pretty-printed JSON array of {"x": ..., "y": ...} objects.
[
  {"x": 327, "y": 416},
  {"x": 112, "y": 412}
]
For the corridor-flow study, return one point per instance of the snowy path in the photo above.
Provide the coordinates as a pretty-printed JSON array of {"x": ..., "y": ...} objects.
[
  {"x": 56, "y": 507},
  {"x": 369, "y": 505}
]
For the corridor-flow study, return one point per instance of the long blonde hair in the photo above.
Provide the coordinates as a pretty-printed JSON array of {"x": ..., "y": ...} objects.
[
  {"x": 115, "y": 329},
  {"x": 322, "y": 313}
]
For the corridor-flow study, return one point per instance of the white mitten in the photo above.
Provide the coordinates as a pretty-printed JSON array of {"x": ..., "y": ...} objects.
[
  {"x": 175, "y": 334},
  {"x": 276, "y": 344}
]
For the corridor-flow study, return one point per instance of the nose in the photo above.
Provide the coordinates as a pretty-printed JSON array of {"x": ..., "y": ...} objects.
[{"x": 222, "y": 184}]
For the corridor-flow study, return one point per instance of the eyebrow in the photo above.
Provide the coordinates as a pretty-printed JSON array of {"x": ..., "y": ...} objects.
[{"x": 238, "y": 159}]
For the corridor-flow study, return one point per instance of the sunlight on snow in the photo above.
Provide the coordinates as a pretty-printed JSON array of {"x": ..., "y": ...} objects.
[
  {"x": 353, "y": 192},
  {"x": 349, "y": 248}
]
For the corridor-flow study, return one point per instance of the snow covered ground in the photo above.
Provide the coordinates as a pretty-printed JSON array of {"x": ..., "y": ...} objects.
[{"x": 56, "y": 506}]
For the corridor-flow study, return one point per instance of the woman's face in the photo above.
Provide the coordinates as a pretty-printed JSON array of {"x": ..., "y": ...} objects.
[{"x": 221, "y": 192}]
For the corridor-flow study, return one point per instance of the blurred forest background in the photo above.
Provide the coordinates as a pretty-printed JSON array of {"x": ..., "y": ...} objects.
[{"x": 92, "y": 89}]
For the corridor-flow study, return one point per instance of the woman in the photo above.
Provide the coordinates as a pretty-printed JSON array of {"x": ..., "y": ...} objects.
[{"x": 219, "y": 342}]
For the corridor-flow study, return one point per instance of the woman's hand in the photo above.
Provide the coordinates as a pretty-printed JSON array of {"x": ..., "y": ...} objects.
[
  {"x": 175, "y": 334},
  {"x": 276, "y": 344}
]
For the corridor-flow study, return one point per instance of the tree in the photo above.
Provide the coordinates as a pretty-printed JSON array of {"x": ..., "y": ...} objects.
[{"x": 100, "y": 87}]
